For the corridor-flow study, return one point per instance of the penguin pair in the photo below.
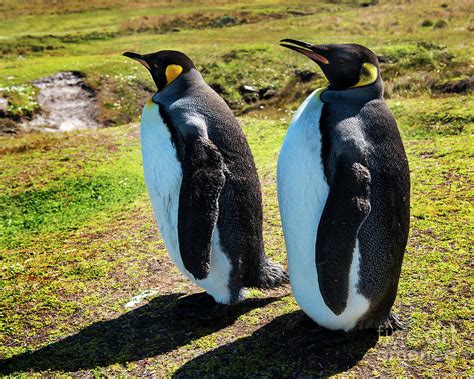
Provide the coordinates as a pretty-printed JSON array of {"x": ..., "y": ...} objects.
[{"x": 343, "y": 189}]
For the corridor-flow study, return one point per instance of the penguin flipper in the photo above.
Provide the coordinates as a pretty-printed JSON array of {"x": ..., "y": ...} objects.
[
  {"x": 347, "y": 206},
  {"x": 203, "y": 180}
]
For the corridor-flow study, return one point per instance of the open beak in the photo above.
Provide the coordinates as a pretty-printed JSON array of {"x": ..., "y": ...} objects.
[
  {"x": 138, "y": 58},
  {"x": 311, "y": 51}
]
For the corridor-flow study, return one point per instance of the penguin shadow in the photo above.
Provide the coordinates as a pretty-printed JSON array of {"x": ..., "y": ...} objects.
[
  {"x": 290, "y": 346},
  {"x": 155, "y": 328}
]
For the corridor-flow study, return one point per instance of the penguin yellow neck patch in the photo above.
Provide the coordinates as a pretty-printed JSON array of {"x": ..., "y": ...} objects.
[
  {"x": 172, "y": 72},
  {"x": 368, "y": 75},
  {"x": 319, "y": 91}
]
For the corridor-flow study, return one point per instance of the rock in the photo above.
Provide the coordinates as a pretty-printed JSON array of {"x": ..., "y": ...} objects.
[
  {"x": 250, "y": 97},
  {"x": 267, "y": 93},
  {"x": 243, "y": 89},
  {"x": 137, "y": 299}
]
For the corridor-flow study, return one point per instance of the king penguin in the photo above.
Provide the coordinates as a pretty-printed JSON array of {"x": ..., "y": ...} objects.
[
  {"x": 344, "y": 194},
  {"x": 203, "y": 184}
]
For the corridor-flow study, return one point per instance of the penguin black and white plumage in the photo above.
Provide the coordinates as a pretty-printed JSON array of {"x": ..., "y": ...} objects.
[
  {"x": 344, "y": 194},
  {"x": 202, "y": 182}
]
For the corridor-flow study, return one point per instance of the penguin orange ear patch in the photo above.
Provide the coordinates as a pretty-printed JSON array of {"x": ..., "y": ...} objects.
[
  {"x": 368, "y": 75},
  {"x": 172, "y": 72}
]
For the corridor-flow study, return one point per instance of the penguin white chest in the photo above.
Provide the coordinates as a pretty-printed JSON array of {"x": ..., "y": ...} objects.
[
  {"x": 163, "y": 177},
  {"x": 302, "y": 195}
]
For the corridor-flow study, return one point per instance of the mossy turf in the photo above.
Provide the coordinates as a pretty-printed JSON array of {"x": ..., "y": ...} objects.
[
  {"x": 70, "y": 271},
  {"x": 240, "y": 51},
  {"x": 77, "y": 237}
]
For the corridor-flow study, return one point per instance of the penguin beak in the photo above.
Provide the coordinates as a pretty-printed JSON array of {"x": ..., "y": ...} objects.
[
  {"x": 311, "y": 51},
  {"x": 138, "y": 58}
]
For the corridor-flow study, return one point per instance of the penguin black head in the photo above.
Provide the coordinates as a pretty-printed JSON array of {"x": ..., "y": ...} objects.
[
  {"x": 165, "y": 66},
  {"x": 344, "y": 65}
]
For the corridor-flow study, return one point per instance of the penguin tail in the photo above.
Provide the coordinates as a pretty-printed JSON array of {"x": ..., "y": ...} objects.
[{"x": 270, "y": 276}]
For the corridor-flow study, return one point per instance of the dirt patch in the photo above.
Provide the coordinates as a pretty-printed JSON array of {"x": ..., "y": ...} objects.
[{"x": 66, "y": 102}]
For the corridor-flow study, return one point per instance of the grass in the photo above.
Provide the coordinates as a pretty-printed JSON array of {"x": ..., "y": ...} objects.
[
  {"x": 232, "y": 55},
  {"x": 77, "y": 236},
  {"x": 63, "y": 182},
  {"x": 60, "y": 280}
]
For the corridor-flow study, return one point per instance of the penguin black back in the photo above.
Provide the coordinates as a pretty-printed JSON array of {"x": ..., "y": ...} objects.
[{"x": 383, "y": 233}]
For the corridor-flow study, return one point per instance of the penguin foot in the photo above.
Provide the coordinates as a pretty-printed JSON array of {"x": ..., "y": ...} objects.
[
  {"x": 202, "y": 306},
  {"x": 216, "y": 312},
  {"x": 197, "y": 300},
  {"x": 325, "y": 338},
  {"x": 391, "y": 324}
]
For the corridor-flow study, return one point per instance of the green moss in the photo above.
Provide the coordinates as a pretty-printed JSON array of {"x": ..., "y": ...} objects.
[
  {"x": 429, "y": 117},
  {"x": 420, "y": 55},
  {"x": 205, "y": 343},
  {"x": 50, "y": 197}
]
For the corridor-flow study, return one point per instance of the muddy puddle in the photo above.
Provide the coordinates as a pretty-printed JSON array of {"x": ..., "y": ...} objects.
[{"x": 67, "y": 104}]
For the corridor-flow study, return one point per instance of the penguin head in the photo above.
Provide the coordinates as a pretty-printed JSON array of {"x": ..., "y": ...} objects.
[
  {"x": 344, "y": 65},
  {"x": 165, "y": 66}
]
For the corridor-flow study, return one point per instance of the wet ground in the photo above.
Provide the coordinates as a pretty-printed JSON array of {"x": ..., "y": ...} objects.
[{"x": 67, "y": 104}]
